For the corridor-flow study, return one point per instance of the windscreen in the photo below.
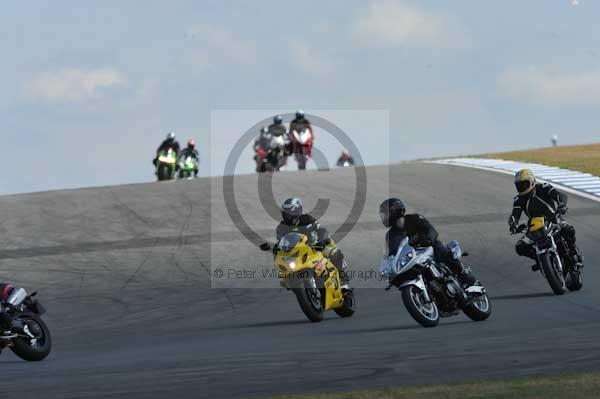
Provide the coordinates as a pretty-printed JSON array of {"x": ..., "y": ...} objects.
[{"x": 289, "y": 241}]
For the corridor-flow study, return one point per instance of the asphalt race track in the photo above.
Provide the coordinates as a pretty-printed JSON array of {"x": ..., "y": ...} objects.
[{"x": 125, "y": 273}]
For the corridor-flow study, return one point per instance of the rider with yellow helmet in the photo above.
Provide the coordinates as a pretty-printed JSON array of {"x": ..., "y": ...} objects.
[{"x": 537, "y": 200}]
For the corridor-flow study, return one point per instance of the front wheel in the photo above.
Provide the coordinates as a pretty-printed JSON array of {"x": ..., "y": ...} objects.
[
  {"x": 480, "y": 309},
  {"x": 301, "y": 161},
  {"x": 33, "y": 343},
  {"x": 164, "y": 172},
  {"x": 552, "y": 274},
  {"x": 309, "y": 299},
  {"x": 425, "y": 313},
  {"x": 349, "y": 306}
]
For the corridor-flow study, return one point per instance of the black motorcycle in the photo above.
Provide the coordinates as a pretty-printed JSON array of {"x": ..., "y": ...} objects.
[
  {"x": 552, "y": 253},
  {"x": 28, "y": 336}
]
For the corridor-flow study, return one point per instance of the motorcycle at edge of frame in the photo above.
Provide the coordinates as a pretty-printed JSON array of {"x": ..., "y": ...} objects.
[{"x": 28, "y": 336}]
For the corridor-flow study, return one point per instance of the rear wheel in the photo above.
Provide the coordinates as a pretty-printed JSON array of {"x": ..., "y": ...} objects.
[
  {"x": 348, "y": 308},
  {"x": 425, "y": 313},
  {"x": 35, "y": 343},
  {"x": 552, "y": 274},
  {"x": 309, "y": 299}
]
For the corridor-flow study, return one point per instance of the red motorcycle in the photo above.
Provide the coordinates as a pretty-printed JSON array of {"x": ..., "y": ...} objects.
[{"x": 302, "y": 142}]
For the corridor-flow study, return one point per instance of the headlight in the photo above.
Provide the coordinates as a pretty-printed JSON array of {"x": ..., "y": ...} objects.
[{"x": 292, "y": 265}]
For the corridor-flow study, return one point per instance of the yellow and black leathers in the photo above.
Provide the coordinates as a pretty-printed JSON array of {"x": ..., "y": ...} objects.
[
  {"x": 318, "y": 237},
  {"x": 542, "y": 201}
]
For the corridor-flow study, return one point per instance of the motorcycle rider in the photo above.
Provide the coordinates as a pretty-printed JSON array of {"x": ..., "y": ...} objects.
[
  {"x": 345, "y": 158},
  {"x": 540, "y": 200},
  {"x": 277, "y": 130},
  {"x": 294, "y": 220},
  {"x": 190, "y": 151},
  {"x": 421, "y": 234},
  {"x": 5, "y": 318},
  {"x": 300, "y": 123},
  {"x": 168, "y": 143}
]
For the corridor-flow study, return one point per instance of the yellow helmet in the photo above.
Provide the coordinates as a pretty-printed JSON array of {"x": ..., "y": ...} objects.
[{"x": 524, "y": 181}]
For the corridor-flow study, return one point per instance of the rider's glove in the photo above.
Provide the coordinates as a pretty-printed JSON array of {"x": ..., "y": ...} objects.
[{"x": 512, "y": 224}]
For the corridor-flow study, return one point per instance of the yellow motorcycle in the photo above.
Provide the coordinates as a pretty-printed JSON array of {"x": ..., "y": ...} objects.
[{"x": 312, "y": 277}]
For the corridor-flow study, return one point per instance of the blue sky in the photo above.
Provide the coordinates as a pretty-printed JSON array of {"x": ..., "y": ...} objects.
[{"x": 90, "y": 88}]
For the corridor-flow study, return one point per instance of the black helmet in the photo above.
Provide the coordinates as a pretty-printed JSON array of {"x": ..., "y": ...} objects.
[
  {"x": 291, "y": 210},
  {"x": 277, "y": 119},
  {"x": 300, "y": 114},
  {"x": 390, "y": 211}
]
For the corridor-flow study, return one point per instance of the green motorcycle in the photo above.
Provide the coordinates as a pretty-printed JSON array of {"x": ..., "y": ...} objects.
[
  {"x": 166, "y": 165},
  {"x": 187, "y": 167}
]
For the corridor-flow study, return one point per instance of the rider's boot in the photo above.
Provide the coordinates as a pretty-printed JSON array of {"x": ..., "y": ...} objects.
[
  {"x": 535, "y": 267},
  {"x": 577, "y": 258},
  {"x": 462, "y": 273}
]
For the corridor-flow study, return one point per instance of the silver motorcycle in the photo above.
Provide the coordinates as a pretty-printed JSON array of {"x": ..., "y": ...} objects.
[{"x": 429, "y": 289}]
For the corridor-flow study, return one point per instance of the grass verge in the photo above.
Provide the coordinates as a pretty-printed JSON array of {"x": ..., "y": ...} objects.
[
  {"x": 571, "y": 386},
  {"x": 583, "y": 158}
]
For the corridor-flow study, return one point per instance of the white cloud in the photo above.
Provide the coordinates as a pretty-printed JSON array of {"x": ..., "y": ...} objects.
[
  {"x": 398, "y": 23},
  {"x": 307, "y": 60},
  {"x": 225, "y": 42},
  {"x": 72, "y": 85},
  {"x": 540, "y": 87}
]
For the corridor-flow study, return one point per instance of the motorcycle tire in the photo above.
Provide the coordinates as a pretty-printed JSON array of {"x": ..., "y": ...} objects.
[
  {"x": 574, "y": 280},
  {"x": 349, "y": 306},
  {"x": 301, "y": 161},
  {"x": 418, "y": 310},
  {"x": 311, "y": 306},
  {"x": 554, "y": 278},
  {"x": 164, "y": 172},
  {"x": 24, "y": 349},
  {"x": 480, "y": 309}
]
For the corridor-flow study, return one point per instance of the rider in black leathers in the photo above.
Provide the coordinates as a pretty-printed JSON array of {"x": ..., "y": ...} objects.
[
  {"x": 168, "y": 143},
  {"x": 294, "y": 220},
  {"x": 345, "y": 158},
  {"x": 421, "y": 234},
  {"x": 537, "y": 200}
]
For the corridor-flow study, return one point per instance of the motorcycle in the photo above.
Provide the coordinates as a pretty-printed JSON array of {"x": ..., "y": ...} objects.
[
  {"x": 429, "y": 289},
  {"x": 302, "y": 143},
  {"x": 312, "y": 277},
  {"x": 552, "y": 253},
  {"x": 166, "y": 165},
  {"x": 269, "y": 154},
  {"x": 187, "y": 167},
  {"x": 28, "y": 336}
]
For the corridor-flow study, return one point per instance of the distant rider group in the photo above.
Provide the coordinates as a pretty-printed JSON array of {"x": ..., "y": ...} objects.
[
  {"x": 171, "y": 163},
  {"x": 275, "y": 144}
]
